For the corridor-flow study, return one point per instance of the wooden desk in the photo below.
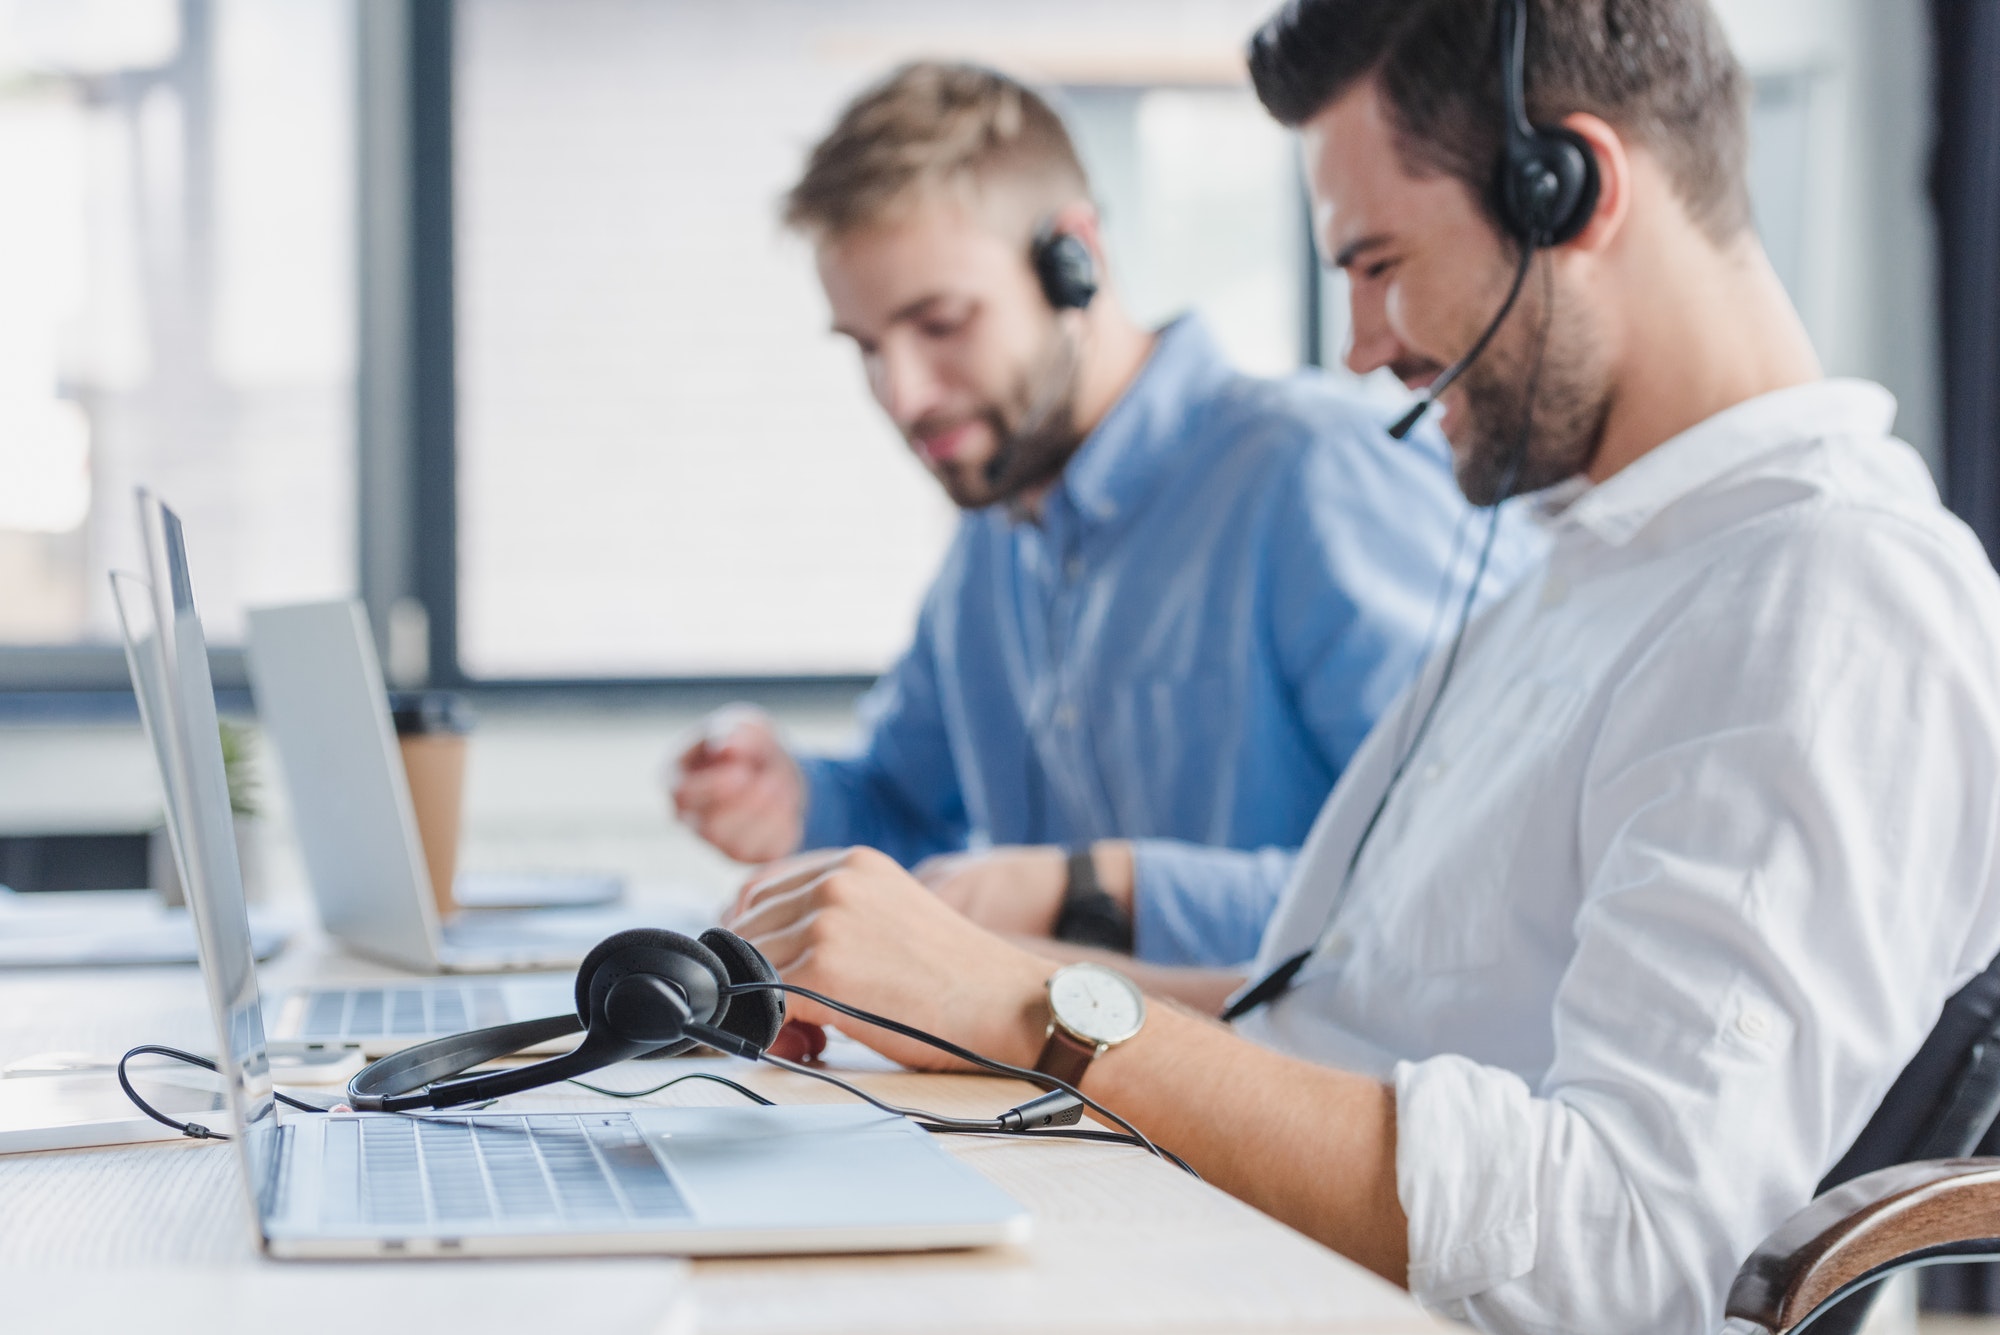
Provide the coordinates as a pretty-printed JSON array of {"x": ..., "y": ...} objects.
[{"x": 1122, "y": 1242}]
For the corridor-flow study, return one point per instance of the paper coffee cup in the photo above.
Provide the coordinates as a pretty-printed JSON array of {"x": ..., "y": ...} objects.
[{"x": 431, "y": 730}]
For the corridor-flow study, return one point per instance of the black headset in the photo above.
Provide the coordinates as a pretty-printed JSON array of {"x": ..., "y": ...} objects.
[
  {"x": 1063, "y": 266},
  {"x": 1544, "y": 190},
  {"x": 1068, "y": 277},
  {"x": 1548, "y": 183},
  {"x": 641, "y": 992}
]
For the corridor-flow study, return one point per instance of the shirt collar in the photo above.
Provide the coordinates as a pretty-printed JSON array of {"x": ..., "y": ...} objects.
[
  {"x": 1137, "y": 441},
  {"x": 1616, "y": 509}
]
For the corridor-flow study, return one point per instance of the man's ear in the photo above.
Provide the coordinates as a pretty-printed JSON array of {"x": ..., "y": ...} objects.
[
  {"x": 1079, "y": 219},
  {"x": 1614, "y": 181}
]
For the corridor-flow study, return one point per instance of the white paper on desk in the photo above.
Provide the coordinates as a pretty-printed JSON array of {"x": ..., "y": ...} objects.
[
  {"x": 637, "y": 1296},
  {"x": 92, "y": 928},
  {"x": 66, "y": 1112}
]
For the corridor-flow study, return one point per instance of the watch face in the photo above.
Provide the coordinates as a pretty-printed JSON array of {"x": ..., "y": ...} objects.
[{"x": 1096, "y": 1004}]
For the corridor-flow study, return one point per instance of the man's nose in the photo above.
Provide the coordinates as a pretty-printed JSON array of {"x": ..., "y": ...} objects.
[
  {"x": 1371, "y": 343},
  {"x": 905, "y": 384}
]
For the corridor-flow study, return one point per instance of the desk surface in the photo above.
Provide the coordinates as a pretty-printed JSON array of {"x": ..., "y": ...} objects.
[{"x": 1122, "y": 1242}]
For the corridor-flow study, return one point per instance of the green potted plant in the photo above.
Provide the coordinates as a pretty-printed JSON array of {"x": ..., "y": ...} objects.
[{"x": 239, "y": 768}]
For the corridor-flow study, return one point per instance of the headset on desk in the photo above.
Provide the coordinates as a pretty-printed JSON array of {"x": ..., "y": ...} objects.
[{"x": 648, "y": 992}]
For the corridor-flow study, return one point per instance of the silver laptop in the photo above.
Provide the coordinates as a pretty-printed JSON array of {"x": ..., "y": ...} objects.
[
  {"x": 321, "y": 699},
  {"x": 691, "y": 1181}
]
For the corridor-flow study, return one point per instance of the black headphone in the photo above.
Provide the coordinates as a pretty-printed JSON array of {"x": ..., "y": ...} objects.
[
  {"x": 641, "y": 992},
  {"x": 1544, "y": 191},
  {"x": 1548, "y": 183},
  {"x": 1063, "y": 265}
]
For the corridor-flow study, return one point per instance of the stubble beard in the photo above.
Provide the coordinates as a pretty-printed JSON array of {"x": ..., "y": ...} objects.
[
  {"x": 1033, "y": 429},
  {"x": 1564, "y": 423}
]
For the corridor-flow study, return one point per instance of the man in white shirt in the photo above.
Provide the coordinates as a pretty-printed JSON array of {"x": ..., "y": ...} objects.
[{"x": 1703, "y": 829}]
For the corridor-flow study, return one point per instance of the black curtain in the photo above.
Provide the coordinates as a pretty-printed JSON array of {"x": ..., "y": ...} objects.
[{"x": 1965, "y": 190}]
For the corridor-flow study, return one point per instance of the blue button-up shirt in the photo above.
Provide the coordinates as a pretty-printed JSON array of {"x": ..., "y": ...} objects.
[{"x": 1231, "y": 580}]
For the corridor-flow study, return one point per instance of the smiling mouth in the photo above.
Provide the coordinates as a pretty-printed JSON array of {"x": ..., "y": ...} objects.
[{"x": 944, "y": 446}]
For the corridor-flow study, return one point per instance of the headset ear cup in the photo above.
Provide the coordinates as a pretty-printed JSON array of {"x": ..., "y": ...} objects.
[
  {"x": 655, "y": 950},
  {"x": 1065, "y": 269},
  {"x": 1576, "y": 169},
  {"x": 754, "y": 1016},
  {"x": 1548, "y": 186}
]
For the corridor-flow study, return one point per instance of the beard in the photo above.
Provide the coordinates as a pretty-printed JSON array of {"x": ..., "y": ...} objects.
[
  {"x": 1033, "y": 428},
  {"x": 1557, "y": 408}
]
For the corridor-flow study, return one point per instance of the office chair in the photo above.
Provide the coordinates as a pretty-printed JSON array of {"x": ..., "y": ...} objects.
[{"x": 1902, "y": 1196}]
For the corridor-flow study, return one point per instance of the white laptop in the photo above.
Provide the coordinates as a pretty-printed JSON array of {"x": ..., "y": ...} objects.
[
  {"x": 689, "y": 1181},
  {"x": 321, "y": 699}
]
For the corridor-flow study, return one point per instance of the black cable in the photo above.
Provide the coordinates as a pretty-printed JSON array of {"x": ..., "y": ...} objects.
[
  {"x": 744, "y": 1090},
  {"x": 940, "y": 1120},
  {"x": 1279, "y": 980},
  {"x": 1042, "y": 1078},
  {"x": 928, "y": 1121},
  {"x": 937, "y": 1123},
  {"x": 195, "y": 1130}
]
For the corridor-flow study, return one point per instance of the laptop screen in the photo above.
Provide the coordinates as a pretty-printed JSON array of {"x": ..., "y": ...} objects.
[{"x": 168, "y": 657}]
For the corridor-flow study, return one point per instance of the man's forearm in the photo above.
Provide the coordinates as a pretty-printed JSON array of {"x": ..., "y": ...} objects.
[{"x": 1308, "y": 1145}]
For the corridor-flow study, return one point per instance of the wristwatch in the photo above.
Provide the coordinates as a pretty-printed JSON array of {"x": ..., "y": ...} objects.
[
  {"x": 1089, "y": 916},
  {"x": 1091, "y": 1010}
]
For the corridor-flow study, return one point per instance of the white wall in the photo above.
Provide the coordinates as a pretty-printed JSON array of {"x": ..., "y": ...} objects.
[{"x": 1868, "y": 248}]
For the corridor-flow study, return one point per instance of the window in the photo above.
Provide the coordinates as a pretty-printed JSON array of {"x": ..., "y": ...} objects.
[
  {"x": 606, "y": 434},
  {"x": 667, "y": 466},
  {"x": 176, "y": 254}
]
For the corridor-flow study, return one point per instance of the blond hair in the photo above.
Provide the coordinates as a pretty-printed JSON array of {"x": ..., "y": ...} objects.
[{"x": 932, "y": 127}]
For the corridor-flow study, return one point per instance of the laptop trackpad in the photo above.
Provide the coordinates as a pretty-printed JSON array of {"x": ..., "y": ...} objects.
[{"x": 818, "y": 1166}]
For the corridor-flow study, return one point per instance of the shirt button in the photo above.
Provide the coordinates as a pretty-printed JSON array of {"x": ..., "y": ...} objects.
[
  {"x": 1753, "y": 1024},
  {"x": 1338, "y": 944},
  {"x": 1554, "y": 589},
  {"x": 1066, "y": 716},
  {"x": 1433, "y": 772},
  {"x": 1073, "y": 568}
]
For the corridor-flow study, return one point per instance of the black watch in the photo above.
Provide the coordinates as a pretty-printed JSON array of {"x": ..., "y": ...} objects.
[{"x": 1090, "y": 917}]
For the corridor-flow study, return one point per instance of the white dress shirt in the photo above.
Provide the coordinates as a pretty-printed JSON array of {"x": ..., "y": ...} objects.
[{"x": 1700, "y": 840}]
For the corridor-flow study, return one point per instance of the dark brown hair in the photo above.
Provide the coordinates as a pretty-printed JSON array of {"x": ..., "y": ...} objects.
[
  {"x": 1660, "y": 72},
  {"x": 933, "y": 125}
]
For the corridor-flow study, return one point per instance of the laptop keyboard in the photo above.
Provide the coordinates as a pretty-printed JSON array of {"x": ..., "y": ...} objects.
[
  {"x": 577, "y": 1168},
  {"x": 359, "y": 1012}
]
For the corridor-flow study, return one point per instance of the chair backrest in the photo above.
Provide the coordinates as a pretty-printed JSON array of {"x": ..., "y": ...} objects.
[
  {"x": 1940, "y": 1107},
  {"x": 1947, "y": 1096}
]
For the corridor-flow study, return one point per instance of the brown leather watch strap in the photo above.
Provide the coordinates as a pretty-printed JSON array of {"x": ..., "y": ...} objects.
[{"x": 1065, "y": 1056}]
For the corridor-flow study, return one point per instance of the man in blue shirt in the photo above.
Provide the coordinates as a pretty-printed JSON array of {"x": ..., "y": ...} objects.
[{"x": 1179, "y": 598}]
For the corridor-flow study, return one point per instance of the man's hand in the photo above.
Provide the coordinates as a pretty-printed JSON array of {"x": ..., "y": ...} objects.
[
  {"x": 1014, "y": 891},
  {"x": 738, "y": 788},
  {"x": 859, "y": 928}
]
